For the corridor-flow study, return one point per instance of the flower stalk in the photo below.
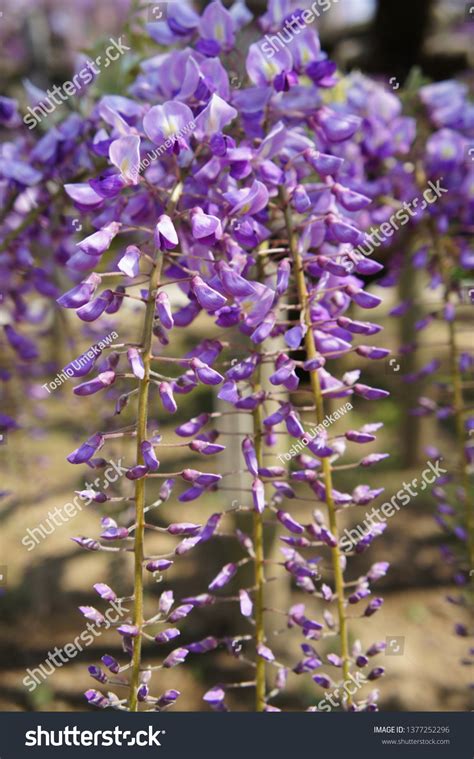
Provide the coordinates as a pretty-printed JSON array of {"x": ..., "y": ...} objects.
[
  {"x": 140, "y": 486},
  {"x": 319, "y": 413},
  {"x": 139, "y": 553},
  {"x": 260, "y": 672},
  {"x": 458, "y": 403},
  {"x": 458, "y": 408}
]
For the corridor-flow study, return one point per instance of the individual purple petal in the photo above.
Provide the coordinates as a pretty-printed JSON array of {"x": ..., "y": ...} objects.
[
  {"x": 143, "y": 692},
  {"x": 130, "y": 261},
  {"x": 248, "y": 200},
  {"x": 130, "y": 631},
  {"x": 205, "y": 227},
  {"x": 207, "y": 449},
  {"x": 114, "y": 533},
  {"x": 167, "y": 698},
  {"x": 371, "y": 352},
  {"x": 205, "y": 374},
  {"x": 215, "y": 696},
  {"x": 373, "y": 458},
  {"x": 180, "y": 612},
  {"x": 223, "y": 577},
  {"x": 166, "y": 635},
  {"x": 166, "y": 601},
  {"x": 214, "y": 117},
  {"x": 137, "y": 472},
  {"x": 158, "y": 565},
  {"x": 96, "y": 698},
  {"x": 175, "y": 657},
  {"x": 166, "y": 237},
  {"x": 88, "y": 543},
  {"x": 105, "y": 592},
  {"x": 193, "y": 426},
  {"x": 259, "y": 68},
  {"x": 83, "y": 195},
  {"x": 86, "y": 450},
  {"x": 373, "y": 606},
  {"x": 258, "y": 495},
  {"x": 287, "y": 521},
  {"x": 162, "y": 123},
  {"x": 337, "y": 127},
  {"x": 80, "y": 294},
  {"x": 188, "y": 543},
  {"x": 124, "y": 153},
  {"x": 246, "y": 605},
  {"x": 349, "y": 199},
  {"x": 322, "y": 680},
  {"x": 250, "y": 456},
  {"x": 104, "y": 379},
  {"x": 283, "y": 276},
  {"x": 111, "y": 663},
  {"x": 377, "y": 570},
  {"x": 99, "y": 241},
  {"x": 90, "y": 613},
  {"x": 167, "y": 398},
  {"x": 370, "y": 393},
  {"x": 375, "y": 673},
  {"x": 264, "y": 328},
  {"x": 97, "y": 673},
  {"x": 207, "y": 297},
  {"x": 323, "y": 163},
  {"x": 136, "y": 362},
  {"x": 202, "y": 646},
  {"x": 362, "y": 297},
  {"x": 25, "y": 347},
  {"x": 300, "y": 199},
  {"x": 265, "y": 652},
  {"x": 233, "y": 282},
  {"x": 218, "y": 24},
  {"x": 91, "y": 311},
  {"x": 357, "y": 436},
  {"x": 148, "y": 453},
  {"x": 163, "y": 310},
  {"x": 293, "y": 425}
]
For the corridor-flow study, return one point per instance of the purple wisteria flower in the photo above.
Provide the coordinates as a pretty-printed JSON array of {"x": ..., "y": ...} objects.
[{"x": 237, "y": 215}]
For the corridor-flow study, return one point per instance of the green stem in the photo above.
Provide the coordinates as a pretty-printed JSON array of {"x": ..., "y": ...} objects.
[
  {"x": 143, "y": 393},
  {"x": 260, "y": 674},
  {"x": 410, "y": 425},
  {"x": 458, "y": 400},
  {"x": 458, "y": 405},
  {"x": 312, "y": 353}
]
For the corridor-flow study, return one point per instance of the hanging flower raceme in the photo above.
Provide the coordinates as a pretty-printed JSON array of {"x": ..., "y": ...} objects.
[
  {"x": 244, "y": 209},
  {"x": 442, "y": 259}
]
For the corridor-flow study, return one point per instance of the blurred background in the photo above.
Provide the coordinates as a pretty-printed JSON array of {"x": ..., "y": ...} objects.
[{"x": 39, "y": 44}]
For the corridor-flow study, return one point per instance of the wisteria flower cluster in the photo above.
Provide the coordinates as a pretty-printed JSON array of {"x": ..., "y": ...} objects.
[
  {"x": 441, "y": 249},
  {"x": 253, "y": 203}
]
